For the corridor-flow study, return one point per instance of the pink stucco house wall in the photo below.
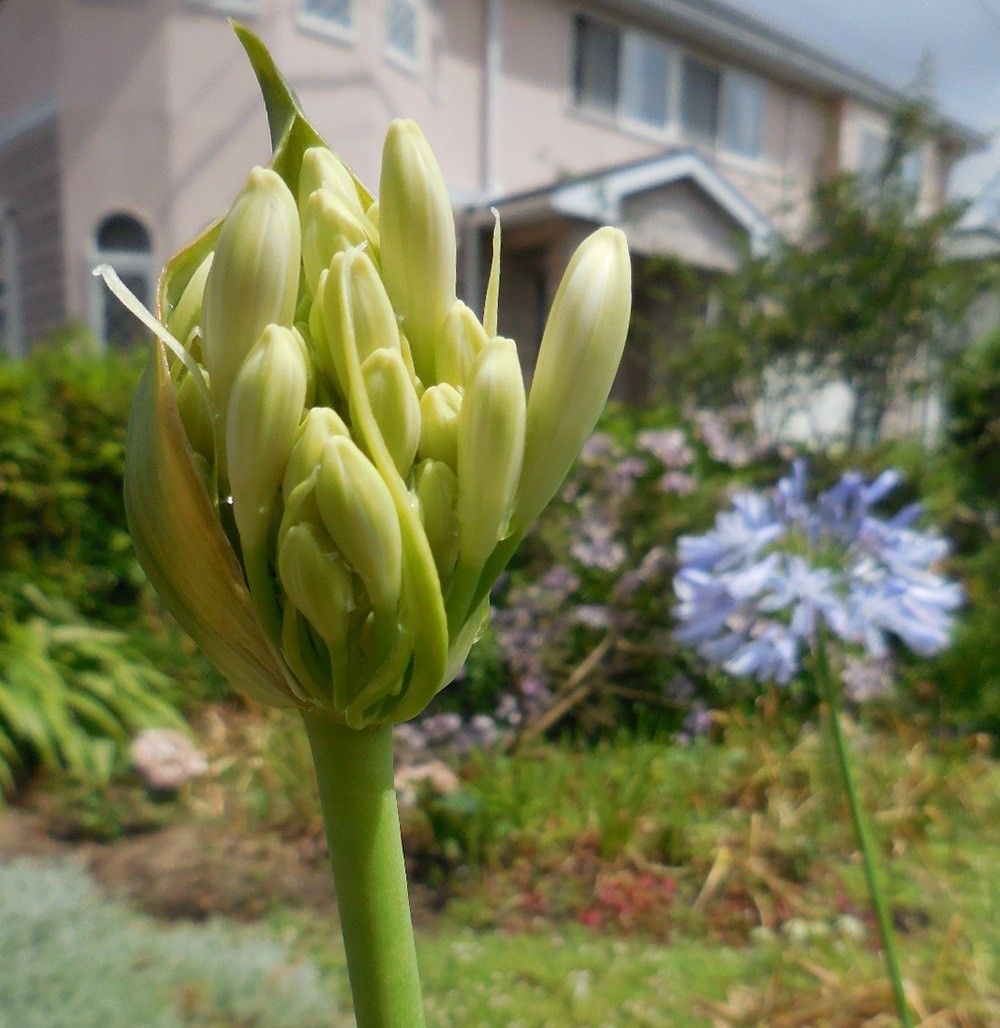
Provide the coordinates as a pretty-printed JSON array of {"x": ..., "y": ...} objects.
[{"x": 125, "y": 125}]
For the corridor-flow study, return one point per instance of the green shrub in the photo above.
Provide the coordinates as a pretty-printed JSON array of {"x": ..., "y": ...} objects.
[
  {"x": 62, "y": 447},
  {"x": 72, "y": 694},
  {"x": 973, "y": 427}
]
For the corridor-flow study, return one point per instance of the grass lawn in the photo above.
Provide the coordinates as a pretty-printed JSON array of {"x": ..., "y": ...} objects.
[{"x": 631, "y": 883}]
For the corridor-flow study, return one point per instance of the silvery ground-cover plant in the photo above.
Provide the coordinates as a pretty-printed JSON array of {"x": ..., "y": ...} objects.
[
  {"x": 330, "y": 459},
  {"x": 782, "y": 572}
]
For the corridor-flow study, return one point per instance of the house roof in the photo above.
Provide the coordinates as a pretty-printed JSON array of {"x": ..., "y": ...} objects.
[
  {"x": 600, "y": 196},
  {"x": 755, "y": 42}
]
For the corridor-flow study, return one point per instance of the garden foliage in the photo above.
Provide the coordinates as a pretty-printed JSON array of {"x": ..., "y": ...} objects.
[{"x": 85, "y": 661}]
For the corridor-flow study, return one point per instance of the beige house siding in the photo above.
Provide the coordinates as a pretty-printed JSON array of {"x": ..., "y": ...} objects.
[{"x": 159, "y": 116}]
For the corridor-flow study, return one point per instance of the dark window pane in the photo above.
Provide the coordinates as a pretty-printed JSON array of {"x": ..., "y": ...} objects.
[
  {"x": 121, "y": 330},
  {"x": 700, "y": 91},
  {"x": 597, "y": 47},
  {"x": 123, "y": 232}
]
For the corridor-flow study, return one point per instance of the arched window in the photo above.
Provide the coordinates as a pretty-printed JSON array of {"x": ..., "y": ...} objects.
[
  {"x": 123, "y": 242},
  {"x": 11, "y": 326}
]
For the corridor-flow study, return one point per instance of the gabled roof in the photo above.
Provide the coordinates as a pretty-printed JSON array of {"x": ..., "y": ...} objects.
[
  {"x": 754, "y": 42},
  {"x": 599, "y": 196}
]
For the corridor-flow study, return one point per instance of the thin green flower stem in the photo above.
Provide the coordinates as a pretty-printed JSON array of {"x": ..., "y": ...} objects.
[
  {"x": 832, "y": 695},
  {"x": 354, "y": 772}
]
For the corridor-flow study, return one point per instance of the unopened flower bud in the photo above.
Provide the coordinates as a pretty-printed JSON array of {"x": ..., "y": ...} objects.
[
  {"x": 437, "y": 490},
  {"x": 254, "y": 277},
  {"x": 353, "y": 291},
  {"x": 187, "y": 311},
  {"x": 330, "y": 225},
  {"x": 417, "y": 230},
  {"x": 319, "y": 424},
  {"x": 461, "y": 341},
  {"x": 195, "y": 417},
  {"x": 321, "y": 169},
  {"x": 439, "y": 409},
  {"x": 264, "y": 412},
  {"x": 577, "y": 361},
  {"x": 358, "y": 511},
  {"x": 395, "y": 405},
  {"x": 490, "y": 450},
  {"x": 317, "y": 581}
]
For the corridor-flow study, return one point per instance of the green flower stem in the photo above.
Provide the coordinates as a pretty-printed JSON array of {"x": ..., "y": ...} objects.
[
  {"x": 354, "y": 771},
  {"x": 832, "y": 695}
]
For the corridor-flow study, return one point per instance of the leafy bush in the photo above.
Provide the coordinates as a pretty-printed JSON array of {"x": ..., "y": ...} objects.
[
  {"x": 973, "y": 428},
  {"x": 71, "y": 693},
  {"x": 62, "y": 447}
]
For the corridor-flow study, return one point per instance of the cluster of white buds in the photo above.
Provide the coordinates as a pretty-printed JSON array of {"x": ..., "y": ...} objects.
[{"x": 363, "y": 439}]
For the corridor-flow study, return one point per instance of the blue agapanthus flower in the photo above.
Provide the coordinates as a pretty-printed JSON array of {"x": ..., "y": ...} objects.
[{"x": 754, "y": 590}]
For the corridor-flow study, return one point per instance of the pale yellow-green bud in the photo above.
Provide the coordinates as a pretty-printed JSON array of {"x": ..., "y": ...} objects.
[
  {"x": 417, "y": 231},
  {"x": 437, "y": 490},
  {"x": 254, "y": 277},
  {"x": 353, "y": 290},
  {"x": 577, "y": 361},
  {"x": 302, "y": 337},
  {"x": 358, "y": 511},
  {"x": 319, "y": 424},
  {"x": 195, "y": 417},
  {"x": 321, "y": 169},
  {"x": 490, "y": 450},
  {"x": 265, "y": 407},
  {"x": 439, "y": 410},
  {"x": 330, "y": 225},
  {"x": 461, "y": 341},
  {"x": 395, "y": 405},
  {"x": 372, "y": 213},
  {"x": 317, "y": 581},
  {"x": 187, "y": 312}
]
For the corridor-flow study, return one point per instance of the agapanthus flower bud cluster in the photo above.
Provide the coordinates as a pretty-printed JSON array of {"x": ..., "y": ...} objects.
[
  {"x": 754, "y": 591},
  {"x": 364, "y": 440}
]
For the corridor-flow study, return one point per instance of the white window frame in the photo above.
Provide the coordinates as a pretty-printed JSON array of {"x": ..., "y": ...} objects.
[
  {"x": 321, "y": 25},
  {"x": 406, "y": 61},
  {"x": 673, "y": 131},
  {"x": 10, "y": 272},
  {"x": 125, "y": 262}
]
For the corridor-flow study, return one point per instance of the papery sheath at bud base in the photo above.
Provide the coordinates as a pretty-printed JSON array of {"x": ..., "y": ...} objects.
[
  {"x": 417, "y": 229},
  {"x": 578, "y": 358},
  {"x": 254, "y": 278}
]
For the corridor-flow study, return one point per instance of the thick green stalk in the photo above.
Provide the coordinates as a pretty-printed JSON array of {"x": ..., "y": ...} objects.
[
  {"x": 832, "y": 695},
  {"x": 354, "y": 771}
]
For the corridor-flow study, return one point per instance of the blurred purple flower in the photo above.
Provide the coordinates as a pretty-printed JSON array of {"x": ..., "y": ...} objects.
[
  {"x": 669, "y": 446},
  {"x": 751, "y": 592},
  {"x": 676, "y": 482}
]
